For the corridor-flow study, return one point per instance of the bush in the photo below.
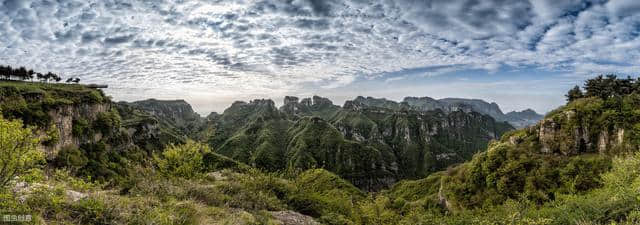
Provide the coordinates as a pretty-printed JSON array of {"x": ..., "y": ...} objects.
[
  {"x": 71, "y": 157},
  {"x": 80, "y": 127},
  {"x": 107, "y": 122},
  {"x": 320, "y": 193},
  {"x": 184, "y": 160},
  {"x": 378, "y": 211},
  {"x": 18, "y": 151},
  {"x": 95, "y": 97},
  {"x": 53, "y": 136}
]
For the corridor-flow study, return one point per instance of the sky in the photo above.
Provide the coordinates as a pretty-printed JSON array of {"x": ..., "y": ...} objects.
[{"x": 518, "y": 53}]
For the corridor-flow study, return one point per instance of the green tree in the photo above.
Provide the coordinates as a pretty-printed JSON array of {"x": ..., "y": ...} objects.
[
  {"x": 183, "y": 160},
  {"x": 49, "y": 76},
  {"x": 29, "y": 75},
  {"x": 18, "y": 151},
  {"x": 5, "y": 71},
  {"x": 21, "y": 73},
  {"x": 41, "y": 77},
  {"x": 574, "y": 93}
]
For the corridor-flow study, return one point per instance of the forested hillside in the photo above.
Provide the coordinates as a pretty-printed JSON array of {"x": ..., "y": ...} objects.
[{"x": 370, "y": 146}]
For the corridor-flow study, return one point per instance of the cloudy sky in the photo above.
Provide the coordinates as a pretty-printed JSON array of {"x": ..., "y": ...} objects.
[{"x": 519, "y": 54}]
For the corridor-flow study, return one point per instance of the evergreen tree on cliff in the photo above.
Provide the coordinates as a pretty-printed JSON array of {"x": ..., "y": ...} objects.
[{"x": 574, "y": 93}]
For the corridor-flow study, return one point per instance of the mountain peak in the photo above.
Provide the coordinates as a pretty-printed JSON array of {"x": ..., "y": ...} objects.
[{"x": 290, "y": 99}]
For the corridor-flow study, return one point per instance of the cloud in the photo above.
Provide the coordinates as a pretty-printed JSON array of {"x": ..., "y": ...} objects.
[{"x": 263, "y": 46}]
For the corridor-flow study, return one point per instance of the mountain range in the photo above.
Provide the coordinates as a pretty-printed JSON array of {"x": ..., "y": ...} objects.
[{"x": 370, "y": 142}]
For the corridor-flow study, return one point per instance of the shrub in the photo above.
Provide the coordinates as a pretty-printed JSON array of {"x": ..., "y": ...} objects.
[
  {"x": 71, "y": 157},
  {"x": 184, "y": 160},
  {"x": 80, "y": 127},
  {"x": 95, "y": 97},
  {"x": 53, "y": 136},
  {"x": 107, "y": 122},
  {"x": 378, "y": 211},
  {"x": 18, "y": 151}
]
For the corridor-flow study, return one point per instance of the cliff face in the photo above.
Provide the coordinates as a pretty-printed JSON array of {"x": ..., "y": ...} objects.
[
  {"x": 425, "y": 103},
  {"x": 573, "y": 132},
  {"x": 74, "y": 116},
  {"x": 63, "y": 119},
  {"x": 315, "y": 106},
  {"x": 477, "y": 105},
  {"x": 178, "y": 112},
  {"x": 420, "y": 142}
]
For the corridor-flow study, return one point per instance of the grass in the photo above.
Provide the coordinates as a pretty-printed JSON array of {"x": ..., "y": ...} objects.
[{"x": 31, "y": 101}]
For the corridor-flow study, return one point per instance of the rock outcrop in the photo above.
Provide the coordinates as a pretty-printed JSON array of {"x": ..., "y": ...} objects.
[
  {"x": 63, "y": 118},
  {"x": 178, "y": 113},
  {"x": 568, "y": 133},
  {"x": 293, "y": 218}
]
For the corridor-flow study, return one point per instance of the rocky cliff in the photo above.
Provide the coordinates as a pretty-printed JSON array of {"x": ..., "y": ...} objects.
[
  {"x": 172, "y": 113},
  {"x": 577, "y": 128},
  {"x": 420, "y": 142},
  {"x": 315, "y": 106},
  {"x": 63, "y": 119},
  {"x": 74, "y": 116}
]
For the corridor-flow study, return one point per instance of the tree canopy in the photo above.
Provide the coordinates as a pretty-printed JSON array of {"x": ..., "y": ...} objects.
[
  {"x": 18, "y": 151},
  {"x": 21, "y": 73},
  {"x": 605, "y": 87}
]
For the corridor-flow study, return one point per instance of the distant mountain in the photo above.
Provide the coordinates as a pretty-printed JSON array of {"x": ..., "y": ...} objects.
[
  {"x": 477, "y": 105},
  {"x": 523, "y": 118},
  {"x": 517, "y": 119},
  {"x": 315, "y": 106},
  {"x": 176, "y": 113},
  {"x": 425, "y": 103}
]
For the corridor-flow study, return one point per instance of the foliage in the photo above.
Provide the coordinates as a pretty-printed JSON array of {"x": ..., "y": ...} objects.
[
  {"x": 72, "y": 158},
  {"x": 320, "y": 193},
  {"x": 52, "y": 136},
  {"x": 80, "y": 127},
  {"x": 183, "y": 160},
  {"x": 32, "y": 102},
  {"x": 378, "y": 211},
  {"x": 107, "y": 122},
  {"x": 18, "y": 151},
  {"x": 610, "y": 86},
  {"x": 574, "y": 93}
]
